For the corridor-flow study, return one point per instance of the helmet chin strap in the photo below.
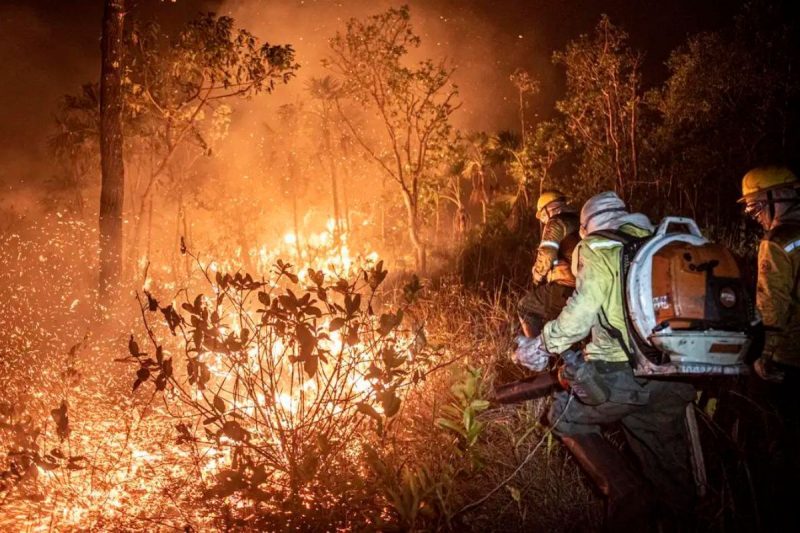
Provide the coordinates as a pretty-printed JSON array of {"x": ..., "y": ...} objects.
[{"x": 771, "y": 206}]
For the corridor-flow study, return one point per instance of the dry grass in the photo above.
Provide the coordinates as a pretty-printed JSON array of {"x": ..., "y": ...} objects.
[
  {"x": 549, "y": 493},
  {"x": 137, "y": 479}
]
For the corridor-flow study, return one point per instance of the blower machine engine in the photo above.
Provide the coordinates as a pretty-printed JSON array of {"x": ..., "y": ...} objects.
[{"x": 687, "y": 310}]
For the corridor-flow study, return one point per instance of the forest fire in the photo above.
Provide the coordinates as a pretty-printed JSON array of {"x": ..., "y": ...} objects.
[
  {"x": 246, "y": 414},
  {"x": 264, "y": 266}
]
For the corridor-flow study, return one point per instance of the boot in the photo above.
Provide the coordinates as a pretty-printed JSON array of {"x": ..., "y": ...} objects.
[{"x": 627, "y": 496}]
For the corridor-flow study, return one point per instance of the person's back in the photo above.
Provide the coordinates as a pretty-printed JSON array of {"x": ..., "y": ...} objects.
[
  {"x": 553, "y": 281},
  {"x": 554, "y": 254},
  {"x": 599, "y": 307}
]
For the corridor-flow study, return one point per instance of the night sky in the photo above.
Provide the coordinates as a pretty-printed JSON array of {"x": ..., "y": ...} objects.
[{"x": 50, "y": 47}]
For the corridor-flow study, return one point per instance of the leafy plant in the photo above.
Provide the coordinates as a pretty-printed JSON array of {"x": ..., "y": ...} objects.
[
  {"x": 460, "y": 416},
  {"x": 22, "y": 441},
  {"x": 414, "y": 493},
  {"x": 284, "y": 378}
]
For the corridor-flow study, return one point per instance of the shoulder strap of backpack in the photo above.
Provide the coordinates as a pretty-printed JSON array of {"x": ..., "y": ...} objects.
[
  {"x": 617, "y": 335},
  {"x": 614, "y": 235},
  {"x": 628, "y": 249}
]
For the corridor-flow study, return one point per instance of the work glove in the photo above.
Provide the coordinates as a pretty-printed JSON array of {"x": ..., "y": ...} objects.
[
  {"x": 531, "y": 353},
  {"x": 767, "y": 370}
]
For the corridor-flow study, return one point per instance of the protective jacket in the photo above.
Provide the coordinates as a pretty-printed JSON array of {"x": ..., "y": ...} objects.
[
  {"x": 596, "y": 306},
  {"x": 554, "y": 255},
  {"x": 777, "y": 296}
]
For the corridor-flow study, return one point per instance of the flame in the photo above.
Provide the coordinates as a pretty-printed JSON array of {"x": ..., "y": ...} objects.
[{"x": 131, "y": 457}]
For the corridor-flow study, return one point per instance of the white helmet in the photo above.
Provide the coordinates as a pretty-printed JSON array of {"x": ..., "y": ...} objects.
[{"x": 605, "y": 203}]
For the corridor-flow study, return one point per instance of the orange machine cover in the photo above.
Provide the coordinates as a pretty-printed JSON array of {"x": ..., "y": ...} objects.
[{"x": 679, "y": 280}]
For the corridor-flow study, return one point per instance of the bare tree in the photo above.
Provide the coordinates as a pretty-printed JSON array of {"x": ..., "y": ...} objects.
[
  {"x": 111, "y": 158},
  {"x": 478, "y": 159},
  {"x": 526, "y": 86},
  {"x": 603, "y": 106},
  {"x": 325, "y": 91},
  {"x": 413, "y": 105}
]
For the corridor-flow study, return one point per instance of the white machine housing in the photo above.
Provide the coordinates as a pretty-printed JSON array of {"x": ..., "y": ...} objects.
[{"x": 689, "y": 352}]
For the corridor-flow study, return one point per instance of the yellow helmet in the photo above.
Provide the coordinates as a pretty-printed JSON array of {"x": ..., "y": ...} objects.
[
  {"x": 763, "y": 179},
  {"x": 548, "y": 197}
]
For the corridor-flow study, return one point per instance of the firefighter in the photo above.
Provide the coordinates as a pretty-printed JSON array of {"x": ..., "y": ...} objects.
[
  {"x": 770, "y": 196},
  {"x": 553, "y": 281},
  {"x": 651, "y": 411}
]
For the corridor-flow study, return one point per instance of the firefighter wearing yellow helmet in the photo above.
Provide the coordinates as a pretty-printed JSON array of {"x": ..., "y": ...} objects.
[
  {"x": 650, "y": 410},
  {"x": 559, "y": 237},
  {"x": 552, "y": 278},
  {"x": 770, "y": 195}
]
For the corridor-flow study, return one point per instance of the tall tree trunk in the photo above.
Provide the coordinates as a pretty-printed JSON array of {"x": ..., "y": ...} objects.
[
  {"x": 111, "y": 162},
  {"x": 383, "y": 212},
  {"x": 334, "y": 179},
  {"x": 296, "y": 225},
  {"x": 187, "y": 263},
  {"x": 174, "y": 249},
  {"x": 295, "y": 218},
  {"x": 149, "y": 230},
  {"x": 438, "y": 220},
  {"x": 522, "y": 115},
  {"x": 345, "y": 183},
  {"x": 420, "y": 255}
]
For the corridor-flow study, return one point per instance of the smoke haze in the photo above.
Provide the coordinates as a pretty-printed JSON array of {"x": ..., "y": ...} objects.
[{"x": 49, "y": 48}]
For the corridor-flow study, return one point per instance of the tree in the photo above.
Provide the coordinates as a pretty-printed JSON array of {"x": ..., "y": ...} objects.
[
  {"x": 452, "y": 191},
  {"x": 294, "y": 181},
  {"x": 507, "y": 148},
  {"x": 546, "y": 147},
  {"x": 413, "y": 105},
  {"x": 478, "y": 166},
  {"x": 176, "y": 89},
  {"x": 602, "y": 107},
  {"x": 526, "y": 86},
  {"x": 178, "y": 86},
  {"x": 346, "y": 146},
  {"x": 325, "y": 91},
  {"x": 111, "y": 158},
  {"x": 729, "y": 104}
]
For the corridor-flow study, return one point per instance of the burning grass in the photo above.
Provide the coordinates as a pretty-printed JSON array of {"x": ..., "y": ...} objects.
[{"x": 315, "y": 398}]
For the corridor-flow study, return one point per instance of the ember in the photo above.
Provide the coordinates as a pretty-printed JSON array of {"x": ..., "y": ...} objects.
[{"x": 267, "y": 268}]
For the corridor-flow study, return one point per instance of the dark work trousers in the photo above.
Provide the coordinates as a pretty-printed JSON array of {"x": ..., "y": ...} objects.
[
  {"x": 778, "y": 469},
  {"x": 540, "y": 305},
  {"x": 652, "y": 413}
]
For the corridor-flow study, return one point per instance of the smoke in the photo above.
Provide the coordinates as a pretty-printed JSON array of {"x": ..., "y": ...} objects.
[
  {"x": 483, "y": 57},
  {"x": 37, "y": 72},
  {"x": 449, "y": 30},
  {"x": 49, "y": 49}
]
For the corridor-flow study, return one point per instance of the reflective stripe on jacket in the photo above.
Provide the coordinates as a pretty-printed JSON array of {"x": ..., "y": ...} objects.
[
  {"x": 777, "y": 295},
  {"x": 597, "y": 298}
]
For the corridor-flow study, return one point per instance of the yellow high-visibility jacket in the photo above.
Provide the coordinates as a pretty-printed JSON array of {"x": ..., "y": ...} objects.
[
  {"x": 596, "y": 302},
  {"x": 777, "y": 297},
  {"x": 553, "y": 256}
]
